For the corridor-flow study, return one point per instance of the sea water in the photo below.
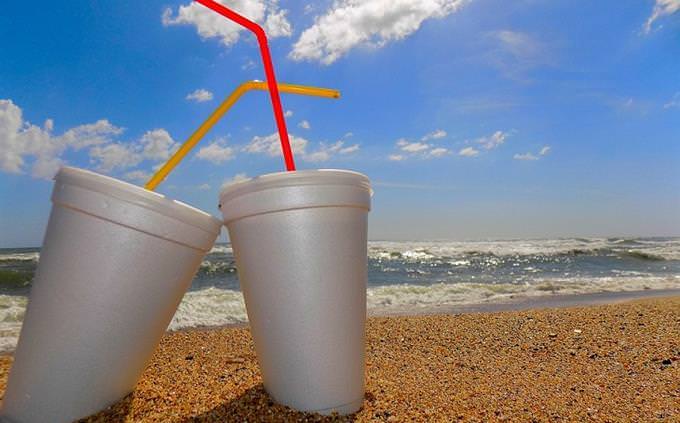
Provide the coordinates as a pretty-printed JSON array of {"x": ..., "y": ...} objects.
[{"x": 410, "y": 275}]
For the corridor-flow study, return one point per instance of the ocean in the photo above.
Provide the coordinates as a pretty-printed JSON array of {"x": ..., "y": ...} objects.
[{"x": 412, "y": 274}]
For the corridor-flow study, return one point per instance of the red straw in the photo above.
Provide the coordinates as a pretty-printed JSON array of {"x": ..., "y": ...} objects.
[{"x": 269, "y": 72}]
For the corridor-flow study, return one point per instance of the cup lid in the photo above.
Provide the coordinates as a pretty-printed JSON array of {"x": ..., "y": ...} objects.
[
  {"x": 285, "y": 191},
  {"x": 139, "y": 196},
  {"x": 295, "y": 178}
]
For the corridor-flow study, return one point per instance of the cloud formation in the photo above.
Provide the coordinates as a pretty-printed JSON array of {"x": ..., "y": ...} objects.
[
  {"x": 488, "y": 143},
  {"x": 434, "y": 135},
  {"x": 373, "y": 23},
  {"x": 661, "y": 9},
  {"x": 422, "y": 149},
  {"x": 212, "y": 25},
  {"x": 271, "y": 146},
  {"x": 530, "y": 156},
  {"x": 156, "y": 145},
  {"x": 468, "y": 152},
  {"x": 525, "y": 156},
  {"x": 216, "y": 152},
  {"x": 25, "y": 146},
  {"x": 494, "y": 140},
  {"x": 200, "y": 96}
]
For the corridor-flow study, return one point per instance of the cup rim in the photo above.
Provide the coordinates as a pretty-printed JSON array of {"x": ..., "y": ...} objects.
[
  {"x": 137, "y": 195},
  {"x": 294, "y": 178}
]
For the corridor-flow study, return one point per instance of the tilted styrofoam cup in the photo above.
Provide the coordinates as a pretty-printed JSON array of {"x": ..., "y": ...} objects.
[
  {"x": 115, "y": 263},
  {"x": 299, "y": 240}
]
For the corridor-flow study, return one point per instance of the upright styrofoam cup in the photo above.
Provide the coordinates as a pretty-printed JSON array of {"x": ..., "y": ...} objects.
[
  {"x": 299, "y": 239},
  {"x": 115, "y": 263}
]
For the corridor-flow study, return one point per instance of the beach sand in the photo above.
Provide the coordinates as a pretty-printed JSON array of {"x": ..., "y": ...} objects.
[{"x": 608, "y": 362}]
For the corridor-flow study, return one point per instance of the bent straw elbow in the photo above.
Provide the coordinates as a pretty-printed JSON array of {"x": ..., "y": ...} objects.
[{"x": 220, "y": 111}]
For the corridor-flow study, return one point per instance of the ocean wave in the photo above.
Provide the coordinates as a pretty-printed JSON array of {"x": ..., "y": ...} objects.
[
  {"x": 217, "y": 307},
  {"x": 13, "y": 279},
  {"x": 641, "y": 255},
  {"x": 217, "y": 267},
  {"x": 20, "y": 257},
  {"x": 12, "y": 309},
  {"x": 210, "y": 307},
  {"x": 221, "y": 249},
  {"x": 642, "y": 249},
  {"x": 394, "y": 297}
]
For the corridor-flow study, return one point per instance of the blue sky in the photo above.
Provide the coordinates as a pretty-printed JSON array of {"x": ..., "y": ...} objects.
[{"x": 473, "y": 119}]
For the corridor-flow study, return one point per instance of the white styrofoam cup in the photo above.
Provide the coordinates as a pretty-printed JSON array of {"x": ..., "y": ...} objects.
[
  {"x": 115, "y": 263},
  {"x": 299, "y": 239}
]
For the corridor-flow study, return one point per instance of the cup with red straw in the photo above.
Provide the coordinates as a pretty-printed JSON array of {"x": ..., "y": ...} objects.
[{"x": 300, "y": 243}]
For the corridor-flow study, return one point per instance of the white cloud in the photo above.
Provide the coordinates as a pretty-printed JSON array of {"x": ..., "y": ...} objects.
[
  {"x": 438, "y": 152},
  {"x": 16, "y": 137},
  {"x": 325, "y": 152},
  {"x": 413, "y": 147},
  {"x": 212, "y": 25},
  {"x": 239, "y": 177},
  {"x": 21, "y": 140},
  {"x": 353, "y": 23},
  {"x": 271, "y": 146},
  {"x": 421, "y": 148},
  {"x": 216, "y": 152},
  {"x": 83, "y": 136},
  {"x": 276, "y": 24},
  {"x": 530, "y": 156},
  {"x": 110, "y": 157},
  {"x": 138, "y": 176},
  {"x": 158, "y": 145},
  {"x": 304, "y": 124},
  {"x": 661, "y": 8},
  {"x": 674, "y": 102},
  {"x": 439, "y": 133},
  {"x": 317, "y": 156},
  {"x": 288, "y": 113},
  {"x": 200, "y": 96},
  {"x": 525, "y": 156},
  {"x": 494, "y": 140},
  {"x": 349, "y": 150},
  {"x": 203, "y": 187},
  {"x": 468, "y": 152}
]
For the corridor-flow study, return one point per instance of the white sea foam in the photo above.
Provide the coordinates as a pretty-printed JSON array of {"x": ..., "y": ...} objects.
[
  {"x": 209, "y": 307},
  {"x": 668, "y": 249},
  {"x": 408, "y": 296},
  {"x": 221, "y": 248},
  {"x": 12, "y": 309},
  {"x": 32, "y": 256},
  {"x": 216, "y": 307}
]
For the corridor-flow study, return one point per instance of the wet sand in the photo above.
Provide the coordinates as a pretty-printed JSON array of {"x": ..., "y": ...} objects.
[{"x": 617, "y": 362}]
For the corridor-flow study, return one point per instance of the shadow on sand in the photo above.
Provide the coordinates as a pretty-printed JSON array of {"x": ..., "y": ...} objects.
[{"x": 255, "y": 405}]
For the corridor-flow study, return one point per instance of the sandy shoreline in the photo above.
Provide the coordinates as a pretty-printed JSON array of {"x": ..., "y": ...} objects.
[{"x": 606, "y": 362}]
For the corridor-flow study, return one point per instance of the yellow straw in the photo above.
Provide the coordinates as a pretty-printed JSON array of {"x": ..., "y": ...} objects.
[{"x": 194, "y": 139}]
